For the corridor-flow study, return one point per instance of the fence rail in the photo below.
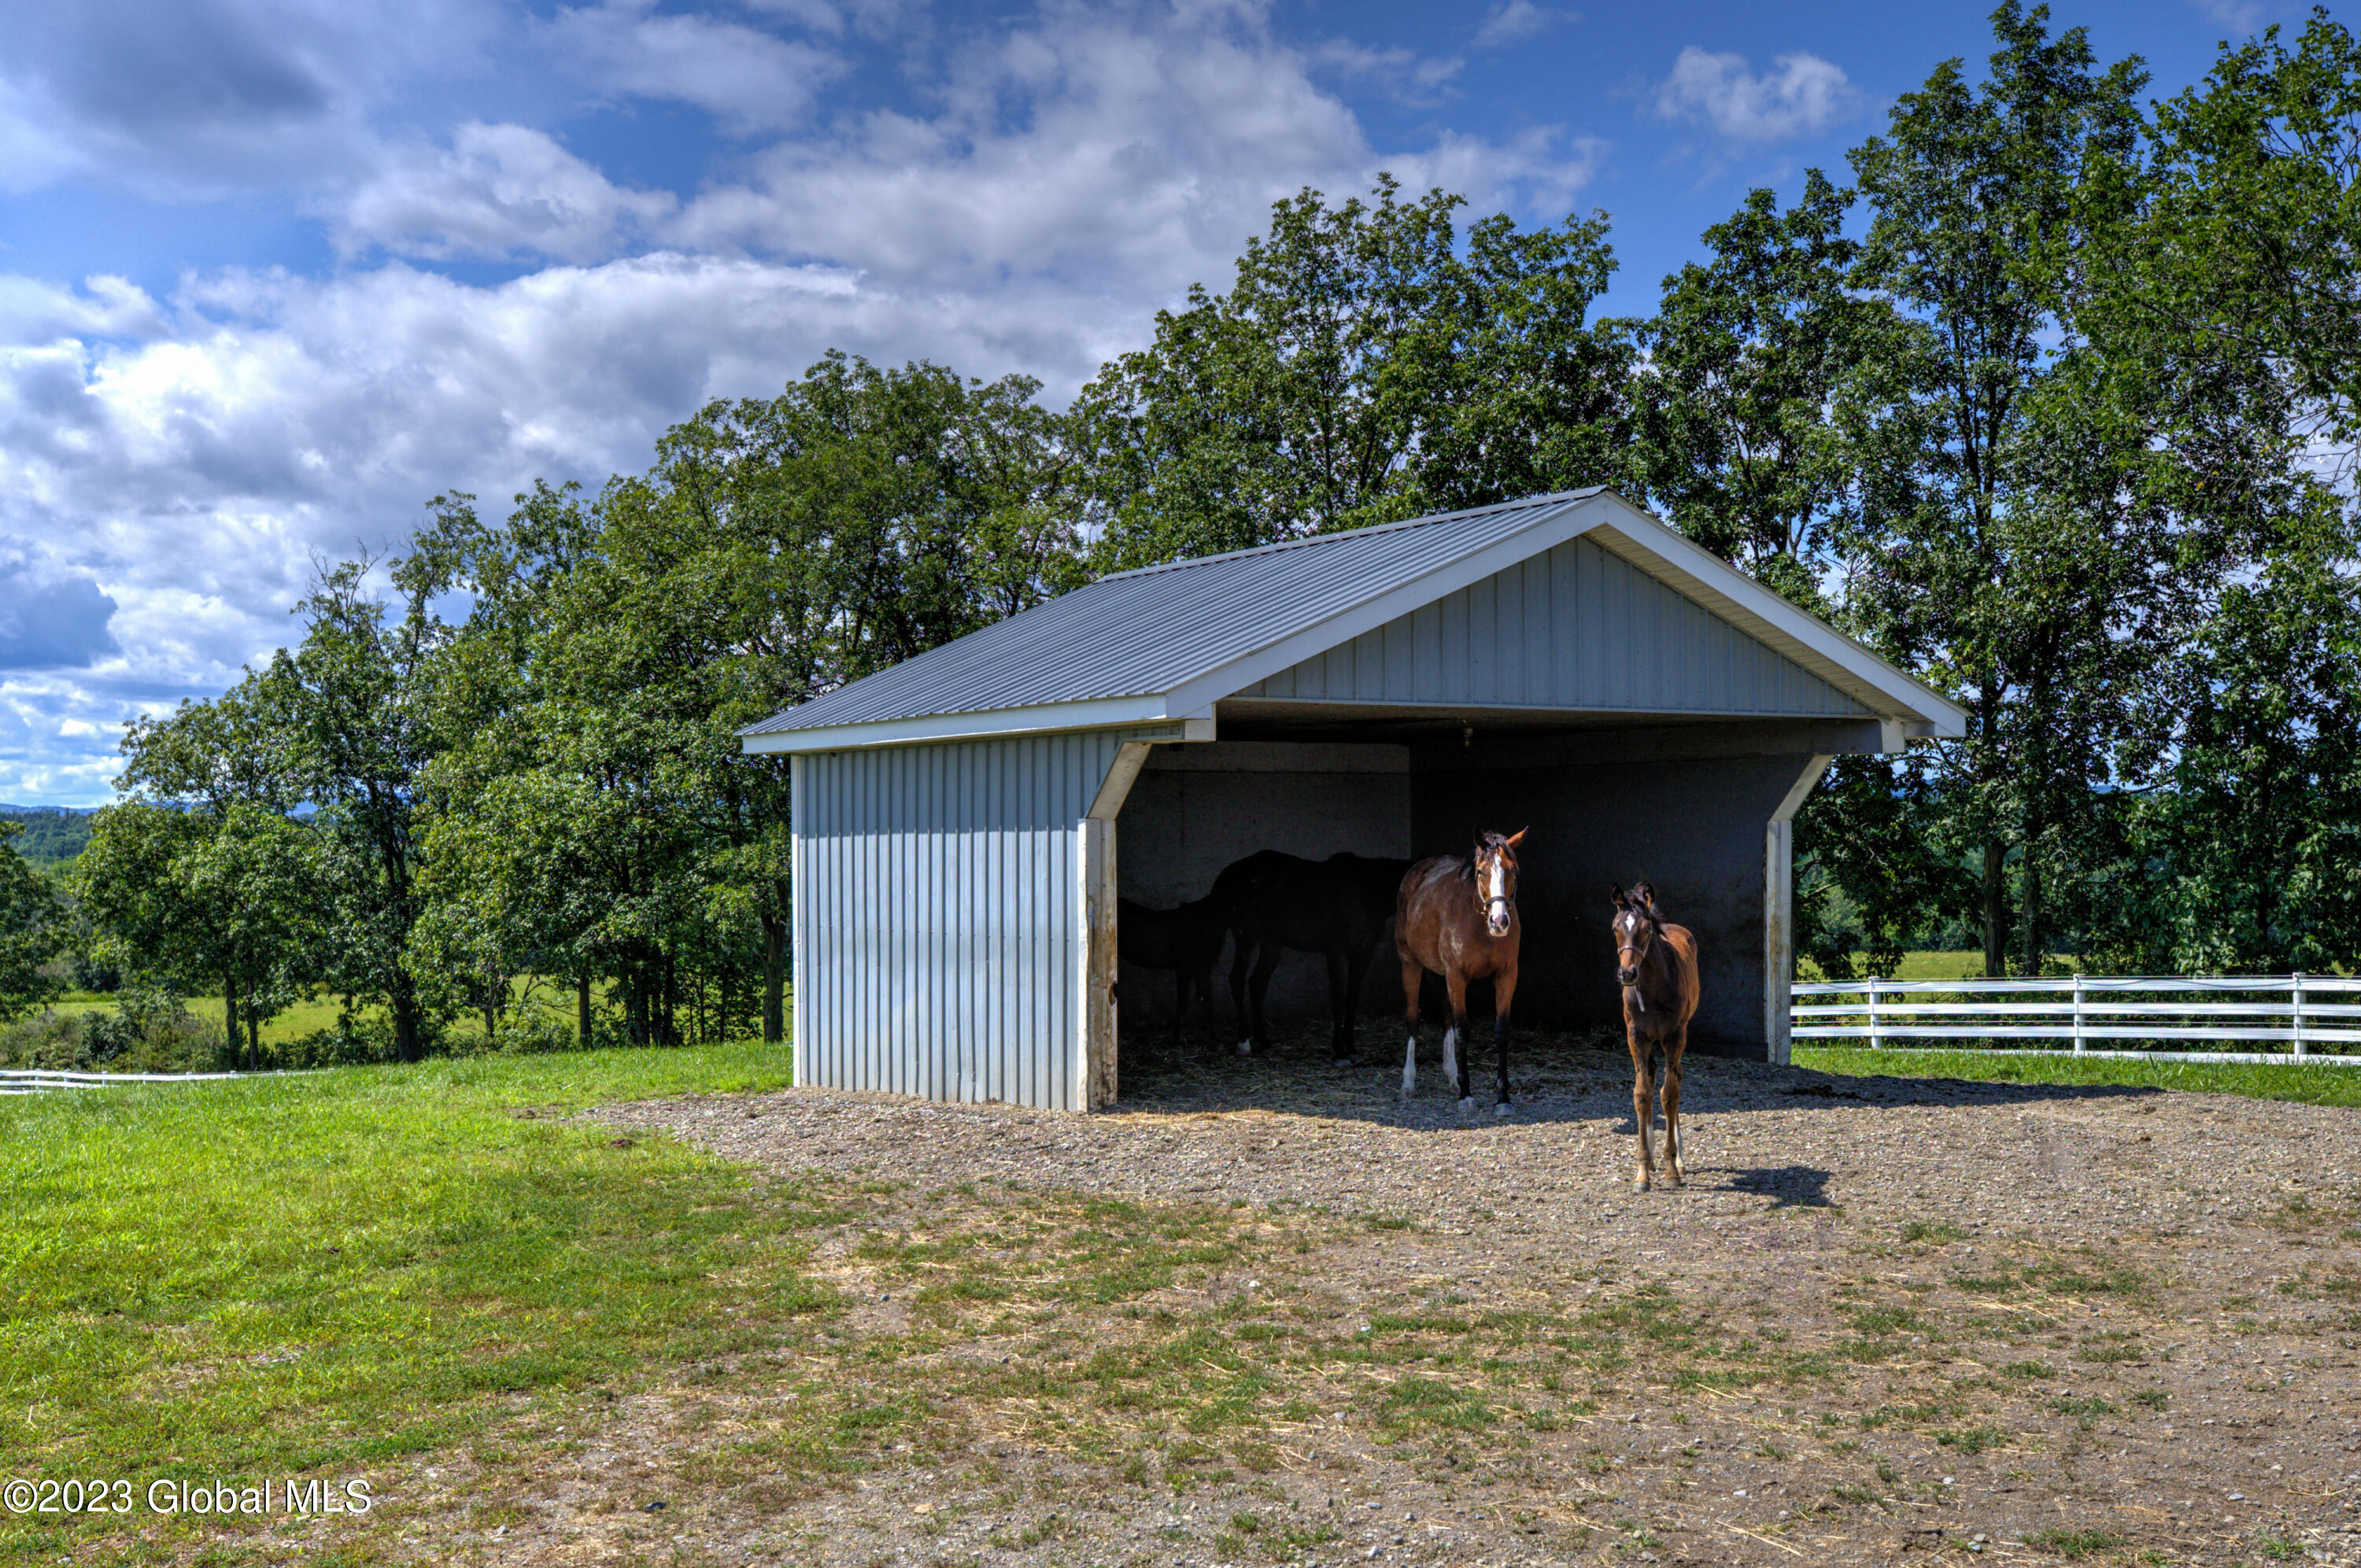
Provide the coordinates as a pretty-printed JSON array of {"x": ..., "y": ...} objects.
[
  {"x": 2315, "y": 1017},
  {"x": 40, "y": 1081}
]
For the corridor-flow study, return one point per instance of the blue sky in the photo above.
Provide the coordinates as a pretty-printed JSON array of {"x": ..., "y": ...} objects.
[{"x": 273, "y": 272}]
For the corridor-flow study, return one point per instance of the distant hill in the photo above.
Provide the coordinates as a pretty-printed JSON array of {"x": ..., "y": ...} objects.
[{"x": 52, "y": 834}]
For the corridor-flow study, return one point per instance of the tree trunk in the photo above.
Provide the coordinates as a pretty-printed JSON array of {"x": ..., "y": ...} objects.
[
  {"x": 2031, "y": 908},
  {"x": 253, "y": 1041},
  {"x": 229, "y": 1014},
  {"x": 775, "y": 980},
  {"x": 582, "y": 1008},
  {"x": 406, "y": 1043},
  {"x": 1996, "y": 912},
  {"x": 637, "y": 1004}
]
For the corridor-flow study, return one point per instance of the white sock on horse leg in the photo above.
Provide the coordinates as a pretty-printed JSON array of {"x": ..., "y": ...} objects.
[{"x": 1410, "y": 1065}]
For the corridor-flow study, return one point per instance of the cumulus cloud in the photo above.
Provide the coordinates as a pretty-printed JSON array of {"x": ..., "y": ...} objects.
[
  {"x": 1513, "y": 21},
  {"x": 59, "y": 624},
  {"x": 1404, "y": 75},
  {"x": 1803, "y": 93},
  {"x": 1128, "y": 156},
  {"x": 177, "y": 459},
  {"x": 498, "y": 190},
  {"x": 751, "y": 80},
  {"x": 176, "y": 95}
]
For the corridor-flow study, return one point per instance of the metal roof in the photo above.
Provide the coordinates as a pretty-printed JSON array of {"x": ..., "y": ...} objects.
[{"x": 1165, "y": 642}]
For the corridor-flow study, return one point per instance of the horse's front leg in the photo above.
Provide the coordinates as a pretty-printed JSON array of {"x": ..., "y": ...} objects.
[
  {"x": 1454, "y": 1062},
  {"x": 1241, "y": 955},
  {"x": 1413, "y": 974},
  {"x": 1678, "y": 1043},
  {"x": 1354, "y": 977},
  {"x": 1340, "y": 1028},
  {"x": 1644, "y": 1105},
  {"x": 1504, "y": 991}
]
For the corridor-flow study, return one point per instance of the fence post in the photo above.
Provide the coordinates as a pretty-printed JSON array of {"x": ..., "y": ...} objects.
[
  {"x": 2296, "y": 1013},
  {"x": 2077, "y": 1014},
  {"x": 1876, "y": 1036}
]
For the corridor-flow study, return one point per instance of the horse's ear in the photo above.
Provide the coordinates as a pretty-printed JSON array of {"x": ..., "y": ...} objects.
[
  {"x": 1616, "y": 893},
  {"x": 1513, "y": 839},
  {"x": 1644, "y": 894}
]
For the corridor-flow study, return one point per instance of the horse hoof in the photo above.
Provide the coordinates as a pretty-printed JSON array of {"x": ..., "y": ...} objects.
[
  {"x": 1466, "y": 1104},
  {"x": 1639, "y": 1184},
  {"x": 1501, "y": 1110},
  {"x": 1348, "y": 1061},
  {"x": 1246, "y": 1048}
]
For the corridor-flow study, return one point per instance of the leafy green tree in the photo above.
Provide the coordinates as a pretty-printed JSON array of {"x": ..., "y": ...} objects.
[
  {"x": 28, "y": 915},
  {"x": 194, "y": 899},
  {"x": 2243, "y": 249},
  {"x": 1742, "y": 442},
  {"x": 354, "y": 709},
  {"x": 1364, "y": 366},
  {"x": 1969, "y": 560}
]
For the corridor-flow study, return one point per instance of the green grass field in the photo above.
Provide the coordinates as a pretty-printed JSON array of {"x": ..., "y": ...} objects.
[
  {"x": 309, "y": 1275},
  {"x": 365, "y": 1271},
  {"x": 2312, "y": 1083},
  {"x": 320, "y": 1012}
]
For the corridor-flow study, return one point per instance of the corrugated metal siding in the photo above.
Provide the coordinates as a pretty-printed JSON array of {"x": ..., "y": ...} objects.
[
  {"x": 1150, "y": 631},
  {"x": 938, "y": 942},
  {"x": 1573, "y": 628}
]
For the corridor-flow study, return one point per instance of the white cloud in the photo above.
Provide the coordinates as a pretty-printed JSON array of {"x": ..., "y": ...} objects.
[
  {"x": 498, "y": 191},
  {"x": 1402, "y": 74},
  {"x": 1034, "y": 202},
  {"x": 186, "y": 98},
  {"x": 2238, "y": 16},
  {"x": 749, "y": 79},
  {"x": 1124, "y": 156},
  {"x": 1804, "y": 93},
  {"x": 1510, "y": 22}
]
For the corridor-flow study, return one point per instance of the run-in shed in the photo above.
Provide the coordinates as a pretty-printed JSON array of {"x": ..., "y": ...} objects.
[{"x": 964, "y": 821}]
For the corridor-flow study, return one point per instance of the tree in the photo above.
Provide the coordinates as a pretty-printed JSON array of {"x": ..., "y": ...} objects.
[
  {"x": 2246, "y": 248},
  {"x": 354, "y": 709},
  {"x": 1742, "y": 442},
  {"x": 194, "y": 899},
  {"x": 2008, "y": 575},
  {"x": 28, "y": 913},
  {"x": 1362, "y": 367}
]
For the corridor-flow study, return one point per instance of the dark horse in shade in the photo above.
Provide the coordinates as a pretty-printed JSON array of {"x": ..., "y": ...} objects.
[
  {"x": 1338, "y": 907},
  {"x": 1185, "y": 940}
]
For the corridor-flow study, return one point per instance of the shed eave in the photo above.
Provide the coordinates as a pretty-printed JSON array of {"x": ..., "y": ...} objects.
[{"x": 1045, "y": 719}]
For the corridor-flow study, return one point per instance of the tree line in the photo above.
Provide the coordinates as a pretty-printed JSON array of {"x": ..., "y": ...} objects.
[{"x": 2053, "y": 404}]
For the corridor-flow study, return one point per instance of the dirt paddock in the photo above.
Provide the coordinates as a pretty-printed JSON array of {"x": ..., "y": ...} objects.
[{"x": 1885, "y": 1318}]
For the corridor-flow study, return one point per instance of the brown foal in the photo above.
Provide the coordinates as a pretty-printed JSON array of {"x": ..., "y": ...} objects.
[
  {"x": 1458, "y": 917},
  {"x": 1656, "y": 965}
]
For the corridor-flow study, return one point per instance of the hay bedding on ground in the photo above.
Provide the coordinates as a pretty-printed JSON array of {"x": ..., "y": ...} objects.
[{"x": 1884, "y": 1318}]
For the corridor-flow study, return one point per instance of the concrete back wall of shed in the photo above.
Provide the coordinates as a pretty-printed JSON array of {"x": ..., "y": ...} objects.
[
  {"x": 1195, "y": 808},
  {"x": 1694, "y": 827},
  {"x": 1603, "y": 807}
]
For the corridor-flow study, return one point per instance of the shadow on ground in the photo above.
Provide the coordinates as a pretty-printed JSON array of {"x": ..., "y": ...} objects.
[{"x": 1553, "y": 1076}]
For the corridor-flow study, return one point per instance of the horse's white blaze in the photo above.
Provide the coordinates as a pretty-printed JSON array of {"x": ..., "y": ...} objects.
[{"x": 1410, "y": 1065}]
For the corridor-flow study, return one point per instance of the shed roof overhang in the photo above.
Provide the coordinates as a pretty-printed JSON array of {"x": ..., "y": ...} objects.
[{"x": 1185, "y": 696}]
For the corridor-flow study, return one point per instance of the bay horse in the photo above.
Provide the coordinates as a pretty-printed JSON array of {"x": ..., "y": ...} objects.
[
  {"x": 1656, "y": 965},
  {"x": 1185, "y": 940},
  {"x": 1458, "y": 918},
  {"x": 1338, "y": 907}
]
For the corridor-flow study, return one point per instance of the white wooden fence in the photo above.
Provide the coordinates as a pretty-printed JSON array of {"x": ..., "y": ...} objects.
[
  {"x": 40, "y": 1081},
  {"x": 2312, "y": 1017}
]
